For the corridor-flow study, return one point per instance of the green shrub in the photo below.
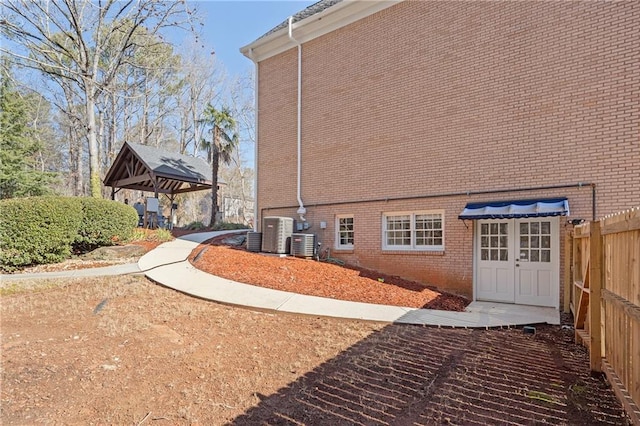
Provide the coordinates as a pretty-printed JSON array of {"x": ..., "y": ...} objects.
[
  {"x": 104, "y": 223},
  {"x": 41, "y": 230},
  {"x": 226, "y": 226},
  {"x": 157, "y": 235},
  {"x": 163, "y": 235},
  {"x": 37, "y": 230},
  {"x": 194, "y": 226}
]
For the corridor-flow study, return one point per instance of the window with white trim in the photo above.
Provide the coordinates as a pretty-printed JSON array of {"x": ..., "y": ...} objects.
[
  {"x": 344, "y": 232},
  {"x": 413, "y": 231}
]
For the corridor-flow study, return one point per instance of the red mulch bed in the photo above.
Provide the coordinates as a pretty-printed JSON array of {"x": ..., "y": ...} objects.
[{"x": 321, "y": 279}]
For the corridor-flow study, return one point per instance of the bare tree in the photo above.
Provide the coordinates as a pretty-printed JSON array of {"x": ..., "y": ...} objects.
[
  {"x": 239, "y": 175},
  {"x": 86, "y": 42},
  {"x": 200, "y": 84}
]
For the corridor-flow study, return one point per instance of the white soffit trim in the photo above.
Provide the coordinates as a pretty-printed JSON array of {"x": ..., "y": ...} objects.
[{"x": 337, "y": 16}]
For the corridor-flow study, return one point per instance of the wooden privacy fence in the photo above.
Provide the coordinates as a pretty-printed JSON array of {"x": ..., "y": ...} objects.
[{"x": 603, "y": 293}]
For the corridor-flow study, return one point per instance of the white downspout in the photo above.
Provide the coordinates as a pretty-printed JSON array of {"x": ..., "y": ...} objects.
[
  {"x": 301, "y": 210},
  {"x": 255, "y": 145}
]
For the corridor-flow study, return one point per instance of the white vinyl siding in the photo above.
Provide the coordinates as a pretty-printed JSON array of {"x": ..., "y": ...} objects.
[{"x": 419, "y": 231}]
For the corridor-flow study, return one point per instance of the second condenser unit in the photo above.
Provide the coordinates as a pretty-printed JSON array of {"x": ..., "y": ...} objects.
[
  {"x": 254, "y": 241},
  {"x": 276, "y": 234},
  {"x": 303, "y": 245}
]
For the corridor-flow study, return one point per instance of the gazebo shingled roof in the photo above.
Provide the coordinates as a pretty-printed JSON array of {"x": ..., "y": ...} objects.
[{"x": 149, "y": 169}]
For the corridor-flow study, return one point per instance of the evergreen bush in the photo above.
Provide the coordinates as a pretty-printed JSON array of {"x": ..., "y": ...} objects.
[
  {"x": 37, "y": 230},
  {"x": 104, "y": 223},
  {"x": 228, "y": 226}
]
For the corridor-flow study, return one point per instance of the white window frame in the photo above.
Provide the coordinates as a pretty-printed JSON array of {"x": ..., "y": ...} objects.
[
  {"x": 339, "y": 246},
  {"x": 413, "y": 246}
]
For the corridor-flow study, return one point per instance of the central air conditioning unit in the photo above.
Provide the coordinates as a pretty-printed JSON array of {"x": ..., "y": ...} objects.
[
  {"x": 276, "y": 234},
  {"x": 303, "y": 245},
  {"x": 254, "y": 241}
]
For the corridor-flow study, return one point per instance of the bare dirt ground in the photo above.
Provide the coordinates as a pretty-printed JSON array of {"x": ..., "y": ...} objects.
[
  {"x": 122, "y": 350},
  {"x": 126, "y": 351}
]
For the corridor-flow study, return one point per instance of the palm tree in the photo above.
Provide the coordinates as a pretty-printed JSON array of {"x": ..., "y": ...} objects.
[{"x": 224, "y": 140}]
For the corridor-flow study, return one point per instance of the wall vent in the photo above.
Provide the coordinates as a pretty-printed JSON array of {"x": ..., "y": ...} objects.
[
  {"x": 303, "y": 245},
  {"x": 254, "y": 241},
  {"x": 276, "y": 234}
]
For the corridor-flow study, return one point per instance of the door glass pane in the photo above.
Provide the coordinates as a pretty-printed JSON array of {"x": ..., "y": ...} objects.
[
  {"x": 535, "y": 255},
  {"x": 545, "y": 255},
  {"x": 546, "y": 241},
  {"x": 545, "y": 227},
  {"x": 524, "y": 255},
  {"x": 524, "y": 228},
  {"x": 535, "y": 227},
  {"x": 535, "y": 241},
  {"x": 504, "y": 255},
  {"x": 524, "y": 242},
  {"x": 494, "y": 241}
]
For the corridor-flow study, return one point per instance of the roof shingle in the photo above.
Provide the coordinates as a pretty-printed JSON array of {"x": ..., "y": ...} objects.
[{"x": 309, "y": 11}]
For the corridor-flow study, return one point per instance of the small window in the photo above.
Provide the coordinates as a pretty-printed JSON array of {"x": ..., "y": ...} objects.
[
  {"x": 344, "y": 232},
  {"x": 413, "y": 231}
]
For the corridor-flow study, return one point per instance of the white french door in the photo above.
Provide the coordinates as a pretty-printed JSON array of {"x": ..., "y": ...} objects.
[
  {"x": 537, "y": 270},
  {"x": 517, "y": 261},
  {"x": 494, "y": 261}
]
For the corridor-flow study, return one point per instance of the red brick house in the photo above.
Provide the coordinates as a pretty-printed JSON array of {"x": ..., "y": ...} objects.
[{"x": 451, "y": 142}]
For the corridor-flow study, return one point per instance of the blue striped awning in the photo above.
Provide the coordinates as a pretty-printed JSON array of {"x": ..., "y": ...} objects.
[{"x": 516, "y": 209}]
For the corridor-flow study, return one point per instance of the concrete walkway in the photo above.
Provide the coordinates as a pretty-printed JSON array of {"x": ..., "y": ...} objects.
[
  {"x": 123, "y": 269},
  {"x": 168, "y": 266}
]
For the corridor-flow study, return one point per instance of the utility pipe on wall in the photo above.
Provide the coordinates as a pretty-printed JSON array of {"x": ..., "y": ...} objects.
[
  {"x": 301, "y": 210},
  {"x": 457, "y": 194}
]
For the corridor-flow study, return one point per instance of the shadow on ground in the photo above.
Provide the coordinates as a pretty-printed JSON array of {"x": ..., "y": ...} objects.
[{"x": 420, "y": 376}]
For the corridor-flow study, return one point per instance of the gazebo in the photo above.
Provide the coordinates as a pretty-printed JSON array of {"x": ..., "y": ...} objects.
[{"x": 149, "y": 169}]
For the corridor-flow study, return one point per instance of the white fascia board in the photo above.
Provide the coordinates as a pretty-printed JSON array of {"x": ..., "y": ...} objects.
[{"x": 331, "y": 19}]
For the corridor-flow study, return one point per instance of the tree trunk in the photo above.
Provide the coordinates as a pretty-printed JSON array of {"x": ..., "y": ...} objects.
[
  {"x": 145, "y": 114},
  {"x": 95, "y": 186},
  {"x": 194, "y": 123},
  {"x": 75, "y": 163},
  {"x": 114, "y": 129},
  {"x": 215, "y": 164}
]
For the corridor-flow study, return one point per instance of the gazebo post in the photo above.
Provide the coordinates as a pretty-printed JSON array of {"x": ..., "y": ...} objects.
[{"x": 172, "y": 198}]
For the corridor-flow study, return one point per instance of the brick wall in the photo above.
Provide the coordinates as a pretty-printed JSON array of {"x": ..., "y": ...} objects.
[{"x": 434, "y": 97}]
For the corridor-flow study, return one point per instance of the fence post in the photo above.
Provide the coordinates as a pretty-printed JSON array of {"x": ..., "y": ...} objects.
[
  {"x": 595, "y": 299},
  {"x": 568, "y": 282}
]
